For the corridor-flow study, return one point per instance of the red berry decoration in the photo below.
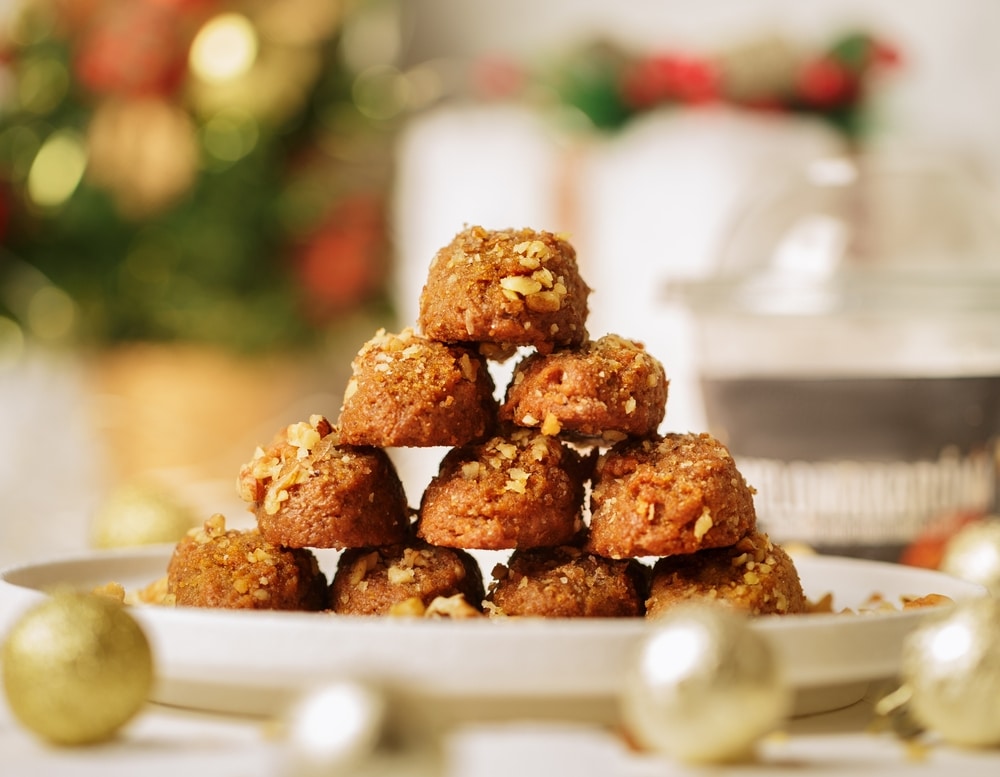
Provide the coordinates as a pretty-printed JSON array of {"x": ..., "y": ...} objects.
[{"x": 826, "y": 83}]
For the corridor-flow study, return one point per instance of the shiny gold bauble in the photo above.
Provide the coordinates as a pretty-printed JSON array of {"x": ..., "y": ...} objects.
[
  {"x": 140, "y": 514},
  {"x": 951, "y": 664},
  {"x": 76, "y": 668},
  {"x": 705, "y": 687},
  {"x": 973, "y": 554}
]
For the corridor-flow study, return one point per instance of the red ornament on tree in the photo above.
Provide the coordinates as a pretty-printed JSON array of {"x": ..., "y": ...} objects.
[
  {"x": 134, "y": 49},
  {"x": 343, "y": 262}
]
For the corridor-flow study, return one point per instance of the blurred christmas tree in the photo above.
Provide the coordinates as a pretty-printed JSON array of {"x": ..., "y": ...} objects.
[{"x": 190, "y": 170}]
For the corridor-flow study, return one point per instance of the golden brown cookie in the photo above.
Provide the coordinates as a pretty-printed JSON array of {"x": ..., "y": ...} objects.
[
  {"x": 310, "y": 491},
  {"x": 675, "y": 494},
  {"x": 407, "y": 390},
  {"x": 215, "y": 567},
  {"x": 517, "y": 490},
  {"x": 505, "y": 288},
  {"x": 566, "y": 582},
  {"x": 754, "y": 575},
  {"x": 608, "y": 388},
  {"x": 403, "y": 579}
]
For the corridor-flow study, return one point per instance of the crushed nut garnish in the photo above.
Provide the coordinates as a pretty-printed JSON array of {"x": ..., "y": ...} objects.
[{"x": 703, "y": 524}]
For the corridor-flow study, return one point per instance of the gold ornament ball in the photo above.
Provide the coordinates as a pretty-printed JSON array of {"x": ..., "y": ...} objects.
[
  {"x": 76, "y": 668},
  {"x": 973, "y": 554},
  {"x": 951, "y": 664},
  {"x": 140, "y": 514},
  {"x": 705, "y": 687}
]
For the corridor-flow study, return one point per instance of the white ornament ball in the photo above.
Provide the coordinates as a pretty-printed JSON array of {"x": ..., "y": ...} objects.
[
  {"x": 705, "y": 687},
  {"x": 973, "y": 554},
  {"x": 951, "y": 663},
  {"x": 334, "y": 729}
]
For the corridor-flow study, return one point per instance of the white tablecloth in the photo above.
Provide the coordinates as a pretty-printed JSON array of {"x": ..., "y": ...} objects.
[{"x": 171, "y": 742}]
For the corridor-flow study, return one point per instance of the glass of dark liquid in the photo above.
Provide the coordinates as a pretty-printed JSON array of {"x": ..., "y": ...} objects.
[{"x": 848, "y": 349}]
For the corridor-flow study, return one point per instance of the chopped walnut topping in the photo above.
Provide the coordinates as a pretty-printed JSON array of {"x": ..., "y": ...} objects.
[
  {"x": 517, "y": 286},
  {"x": 154, "y": 593},
  {"x": 517, "y": 481},
  {"x": 398, "y": 575},
  {"x": 277, "y": 492},
  {"x": 533, "y": 250},
  {"x": 410, "y": 607},
  {"x": 451, "y": 607},
  {"x": 703, "y": 524},
  {"x": 506, "y": 449},
  {"x": 303, "y": 437},
  {"x": 260, "y": 555},
  {"x": 212, "y": 529},
  {"x": 362, "y": 567},
  {"x": 467, "y": 367},
  {"x": 551, "y": 426},
  {"x": 112, "y": 590},
  {"x": 546, "y": 301}
]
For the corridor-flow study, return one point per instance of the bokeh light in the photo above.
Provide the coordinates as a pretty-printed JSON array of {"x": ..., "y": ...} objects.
[
  {"x": 42, "y": 83},
  {"x": 57, "y": 169},
  {"x": 11, "y": 342},
  {"x": 51, "y": 314},
  {"x": 230, "y": 135},
  {"x": 381, "y": 93},
  {"x": 224, "y": 49}
]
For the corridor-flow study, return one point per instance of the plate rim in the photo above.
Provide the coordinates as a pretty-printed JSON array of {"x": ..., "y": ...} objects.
[{"x": 614, "y": 637}]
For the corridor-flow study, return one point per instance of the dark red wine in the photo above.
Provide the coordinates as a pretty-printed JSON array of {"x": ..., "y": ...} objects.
[{"x": 859, "y": 466}]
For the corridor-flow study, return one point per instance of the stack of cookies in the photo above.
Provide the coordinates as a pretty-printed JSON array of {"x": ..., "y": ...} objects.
[{"x": 603, "y": 516}]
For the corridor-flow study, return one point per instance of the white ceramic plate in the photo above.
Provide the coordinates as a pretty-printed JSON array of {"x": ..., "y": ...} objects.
[{"x": 252, "y": 661}]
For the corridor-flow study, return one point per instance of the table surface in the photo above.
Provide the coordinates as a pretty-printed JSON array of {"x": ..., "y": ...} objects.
[{"x": 167, "y": 741}]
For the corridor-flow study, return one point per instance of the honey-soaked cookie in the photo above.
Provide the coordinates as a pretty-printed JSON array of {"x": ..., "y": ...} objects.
[
  {"x": 405, "y": 579},
  {"x": 608, "y": 389},
  {"x": 502, "y": 289},
  {"x": 215, "y": 567},
  {"x": 310, "y": 491},
  {"x": 679, "y": 493},
  {"x": 754, "y": 575},
  {"x": 515, "y": 490},
  {"x": 567, "y": 582},
  {"x": 408, "y": 391}
]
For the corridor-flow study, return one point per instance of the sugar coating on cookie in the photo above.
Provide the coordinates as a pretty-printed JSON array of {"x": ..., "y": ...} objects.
[
  {"x": 406, "y": 579},
  {"x": 309, "y": 490},
  {"x": 679, "y": 493},
  {"x": 407, "y": 390},
  {"x": 516, "y": 490},
  {"x": 754, "y": 575},
  {"x": 505, "y": 288},
  {"x": 566, "y": 582},
  {"x": 215, "y": 567},
  {"x": 609, "y": 388}
]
